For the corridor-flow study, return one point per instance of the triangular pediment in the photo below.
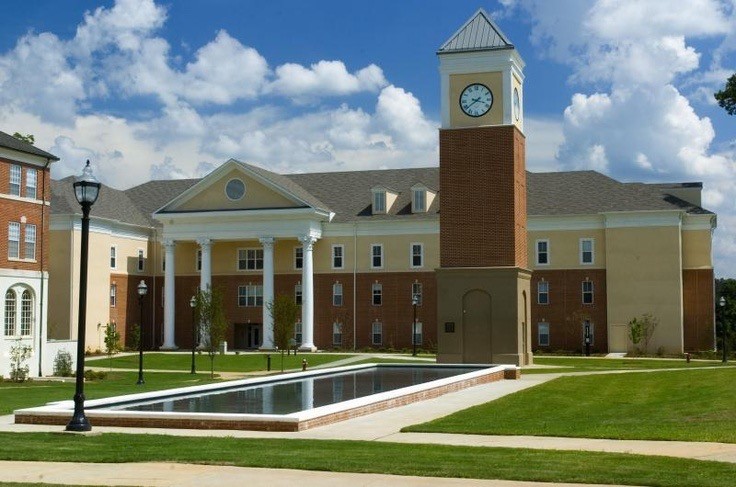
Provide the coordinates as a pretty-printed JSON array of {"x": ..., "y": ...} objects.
[
  {"x": 239, "y": 186},
  {"x": 479, "y": 33}
]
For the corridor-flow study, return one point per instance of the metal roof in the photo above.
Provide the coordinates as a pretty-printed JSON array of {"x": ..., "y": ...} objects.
[
  {"x": 11, "y": 142},
  {"x": 479, "y": 33}
]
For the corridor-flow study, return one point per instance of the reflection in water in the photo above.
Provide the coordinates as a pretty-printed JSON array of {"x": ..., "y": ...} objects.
[{"x": 301, "y": 394}]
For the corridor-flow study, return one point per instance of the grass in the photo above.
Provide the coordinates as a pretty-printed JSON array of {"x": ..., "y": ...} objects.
[
  {"x": 373, "y": 457},
  {"x": 585, "y": 364},
  {"x": 247, "y": 362},
  {"x": 37, "y": 393},
  {"x": 689, "y": 405}
]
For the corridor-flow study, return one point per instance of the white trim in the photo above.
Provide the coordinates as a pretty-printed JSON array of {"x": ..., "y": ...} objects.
[
  {"x": 592, "y": 250},
  {"x": 22, "y": 157},
  {"x": 628, "y": 219},
  {"x": 106, "y": 226},
  {"x": 536, "y": 252},
  {"x": 699, "y": 222},
  {"x": 382, "y": 227},
  {"x": 332, "y": 256},
  {"x": 23, "y": 199},
  {"x": 539, "y": 223},
  {"x": 411, "y": 255},
  {"x": 371, "y": 255}
]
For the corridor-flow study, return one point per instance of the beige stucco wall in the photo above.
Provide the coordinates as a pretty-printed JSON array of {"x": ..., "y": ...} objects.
[
  {"x": 257, "y": 195},
  {"x": 564, "y": 249},
  {"x": 696, "y": 249},
  {"x": 458, "y": 82},
  {"x": 61, "y": 276},
  {"x": 644, "y": 275}
]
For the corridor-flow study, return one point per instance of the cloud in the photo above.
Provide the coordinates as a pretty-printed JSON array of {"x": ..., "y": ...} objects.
[
  {"x": 400, "y": 112},
  {"x": 325, "y": 78}
]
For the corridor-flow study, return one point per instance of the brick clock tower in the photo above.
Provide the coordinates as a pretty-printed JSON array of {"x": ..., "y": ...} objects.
[{"x": 483, "y": 280}]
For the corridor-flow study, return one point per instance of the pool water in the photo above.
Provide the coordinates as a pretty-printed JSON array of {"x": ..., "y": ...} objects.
[{"x": 290, "y": 396}]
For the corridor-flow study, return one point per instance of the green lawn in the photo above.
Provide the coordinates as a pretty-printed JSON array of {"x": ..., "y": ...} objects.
[
  {"x": 37, "y": 393},
  {"x": 374, "y": 457},
  {"x": 690, "y": 405},
  {"x": 584, "y": 364},
  {"x": 246, "y": 362}
]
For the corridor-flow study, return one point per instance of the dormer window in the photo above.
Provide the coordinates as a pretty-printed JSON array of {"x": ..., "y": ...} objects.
[
  {"x": 419, "y": 201},
  {"x": 379, "y": 202}
]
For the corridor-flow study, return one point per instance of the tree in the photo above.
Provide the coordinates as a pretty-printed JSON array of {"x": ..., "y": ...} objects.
[
  {"x": 726, "y": 315},
  {"x": 727, "y": 96},
  {"x": 25, "y": 138},
  {"x": 284, "y": 312},
  {"x": 641, "y": 329},
  {"x": 210, "y": 314},
  {"x": 112, "y": 341}
]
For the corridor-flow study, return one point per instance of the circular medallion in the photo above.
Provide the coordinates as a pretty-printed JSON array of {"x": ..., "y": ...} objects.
[
  {"x": 476, "y": 100},
  {"x": 235, "y": 189},
  {"x": 517, "y": 105}
]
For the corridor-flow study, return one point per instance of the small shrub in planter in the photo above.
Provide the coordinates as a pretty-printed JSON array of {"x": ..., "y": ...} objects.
[
  {"x": 63, "y": 364},
  {"x": 19, "y": 354}
]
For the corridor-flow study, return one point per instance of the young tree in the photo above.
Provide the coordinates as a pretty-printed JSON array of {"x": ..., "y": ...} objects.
[
  {"x": 112, "y": 341},
  {"x": 727, "y": 96},
  {"x": 210, "y": 314},
  {"x": 284, "y": 312},
  {"x": 25, "y": 138},
  {"x": 641, "y": 330},
  {"x": 726, "y": 315}
]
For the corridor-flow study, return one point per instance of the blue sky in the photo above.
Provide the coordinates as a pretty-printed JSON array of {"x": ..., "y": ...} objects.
[{"x": 159, "y": 90}]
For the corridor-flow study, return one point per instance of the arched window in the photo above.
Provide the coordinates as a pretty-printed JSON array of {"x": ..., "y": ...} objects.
[
  {"x": 10, "y": 313},
  {"x": 26, "y": 313}
]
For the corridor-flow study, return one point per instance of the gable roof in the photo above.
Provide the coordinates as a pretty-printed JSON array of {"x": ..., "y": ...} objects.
[
  {"x": 11, "y": 142},
  {"x": 478, "y": 33}
]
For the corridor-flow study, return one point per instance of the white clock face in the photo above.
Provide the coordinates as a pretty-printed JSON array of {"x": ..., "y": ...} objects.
[
  {"x": 517, "y": 104},
  {"x": 476, "y": 100}
]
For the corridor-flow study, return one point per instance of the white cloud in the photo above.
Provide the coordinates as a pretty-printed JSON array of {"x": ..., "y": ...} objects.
[
  {"x": 325, "y": 78},
  {"x": 543, "y": 137},
  {"x": 401, "y": 114}
]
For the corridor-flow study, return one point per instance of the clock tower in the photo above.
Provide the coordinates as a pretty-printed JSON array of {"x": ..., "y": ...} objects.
[{"x": 483, "y": 280}]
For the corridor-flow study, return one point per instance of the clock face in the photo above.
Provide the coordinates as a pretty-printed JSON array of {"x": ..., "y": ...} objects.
[
  {"x": 517, "y": 104},
  {"x": 476, "y": 100}
]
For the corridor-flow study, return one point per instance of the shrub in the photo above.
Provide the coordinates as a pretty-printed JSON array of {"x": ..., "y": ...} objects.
[
  {"x": 95, "y": 375},
  {"x": 19, "y": 354},
  {"x": 63, "y": 364}
]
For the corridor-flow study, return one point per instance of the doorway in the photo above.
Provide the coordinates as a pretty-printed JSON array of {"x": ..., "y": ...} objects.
[{"x": 247, "y": 336}]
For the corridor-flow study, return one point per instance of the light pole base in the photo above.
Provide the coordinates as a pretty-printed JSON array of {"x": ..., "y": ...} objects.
[{"x": 79, "y": 424}]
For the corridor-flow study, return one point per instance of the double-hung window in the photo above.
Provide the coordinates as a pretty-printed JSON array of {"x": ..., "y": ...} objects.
[
  {"x": 376, "y": 256},
  {"x": 542, "y": 252},
  {"x": 298, "y": 257},
  {"x": 298, "y": 294},
  {"x": 377, "y": 293},
  {"x": 543, "y": 334},
  {"x": 338, "y": 256},
  {"x": 113, "y": 257},
  {"x": 379, "y": 202},
  {"x": 420, "y": 200},
  {"x": 250, "y": 295},
  {"x": 250, "y": 259},
  {"x": 298, "y": 332},
  {"x": 416, "y": 291},
  {"x": 587, "y": 247},
  {"x": 198, "y": 262},
  {"x": 543, "y": 292},
  {"x": 29, "y": 249},
  {"x": 587, "y": 292},
  {"x": 10, "y": 299},
  {"x": 337, "y": 333},
  {"x": 377, "y": 333},
  {"x": 15, "y": 177},
  {"x": 31, "y": 183},
  {"x": 14, "y": 240},
  {"x": 417, "y": 255},
  {"x": 26, "y": 313},
  {"x": 337, "y": 294},
  {"x": 113, "y": 295},
  {"x": 417, "y": 333},
  {"x": 141, "y": 260}
]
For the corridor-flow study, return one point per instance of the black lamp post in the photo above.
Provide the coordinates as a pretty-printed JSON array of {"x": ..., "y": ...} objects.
[
  {"x": 142, "y": 290},
  {"x": 414, "y": 302},
  {"x": 193, "y": 305},
  {"x": 722, "y": 304},
  {"x": 86, "y": 190}
]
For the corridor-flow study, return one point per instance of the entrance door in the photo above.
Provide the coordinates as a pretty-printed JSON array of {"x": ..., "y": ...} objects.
[
  {"x": 253, "y": 335},
  {"x": 477, "y": 327}
]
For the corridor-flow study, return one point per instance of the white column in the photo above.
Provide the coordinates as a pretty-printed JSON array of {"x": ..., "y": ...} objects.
[
  {"x": 267, "y": 243},
  {"x": 205, "y": 274},
  {"x": 169, "y": 297},
  {"x": 307, "y": 294}
]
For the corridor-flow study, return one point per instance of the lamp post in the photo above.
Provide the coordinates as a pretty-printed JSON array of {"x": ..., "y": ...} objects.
[
  {"x": 142, "y": 290},
  {"x": 722, "y": 304},
  {"x": 414, "y": 302},
  {"x": 193, "y": 305},
  {"x": 86, "y": 190}
]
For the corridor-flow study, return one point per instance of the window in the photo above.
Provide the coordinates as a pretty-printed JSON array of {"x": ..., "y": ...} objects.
[
  {"x": 298, "y": 294},
  {"x": 141, "y": 261},
  {"x": 26, "y": 313},
  {"x": 377, "y": 256},
  {"x": 250, "y": 259},
  {"x": 298, "y": 257},
  {"x": 590, "y": 328},
  {"x": 542, "y": 252},
  {"x": 298, "y": 332},
  {"x": 250, "y": 295},
  {"x": 337, "y": 294},
  {"x": 29, "y": 250},
  {"x": 198, "y": 263},
  {"x": 377, "y": 292},
  {"x": 417, "y": 255},
  {"x": 379, "y": 202},
  {"x": 586, "y": 251},
  {"x": 417, "y": 332},
  {"x": 113, "y": 295},
  {"x": 13, "y": 240},
  {"x": 416, "y": 290},
  {"x": 31, "y": 183},
  {"x": 10, "y": 313},
  {"x": 377, "y": 333},
  {"x": 420, "y": 200},
  {"x": 337, "y": 333},
  {"x": 543, "y": 292},
  {"x": 587, "y": 292},
  {"x": 163, "y": 262},
  {"x": 338, "y": 254},
  {"x": 15, "y": 172},
  {"x": 543, "y": 334},
  {"x": 113, "y": 257}
]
